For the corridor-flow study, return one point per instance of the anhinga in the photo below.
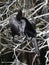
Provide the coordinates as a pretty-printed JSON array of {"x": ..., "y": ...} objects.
[{"x": 19, "y": 25}]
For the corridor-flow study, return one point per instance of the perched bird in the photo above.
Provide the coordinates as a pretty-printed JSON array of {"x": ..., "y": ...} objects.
[{"x": 20, "y": 25}]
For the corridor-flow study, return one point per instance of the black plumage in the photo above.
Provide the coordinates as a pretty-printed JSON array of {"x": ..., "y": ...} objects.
[
  {"x": 29, "y": 29},
  {"x": 14, "y": 29}
]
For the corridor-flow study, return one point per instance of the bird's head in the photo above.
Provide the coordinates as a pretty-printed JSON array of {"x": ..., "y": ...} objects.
[{"x": 19, "y": 15}]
